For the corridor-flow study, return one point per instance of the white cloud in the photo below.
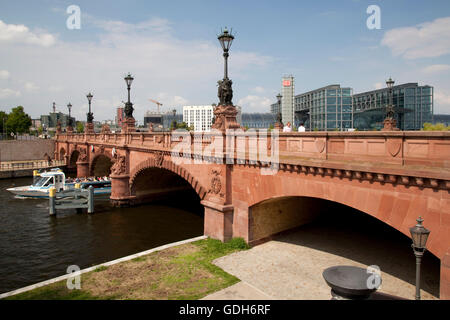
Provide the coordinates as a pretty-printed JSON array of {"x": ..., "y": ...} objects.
[
  {"x": 378, "y": 85},
  {"x": 116, "y": 26},
  {"x": 441, "y": 102},
  {"x": 258, "y": 89},
  {"x": 18, "y": 33},
  {"x": 436, "y": 68},
  {"x": 55, "y": 88},
  {"x": 252, "y": 103},
  {"x": 6, "y": 93},
  {"x": 426, "y": 40},
  {"x": 4, "y": 74},
  {"x": 185, "y": 69},
  {"x": 31, "y": 87}
]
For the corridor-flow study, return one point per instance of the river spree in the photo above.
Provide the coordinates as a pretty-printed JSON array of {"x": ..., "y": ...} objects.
[{"x": 35, "y": 247}]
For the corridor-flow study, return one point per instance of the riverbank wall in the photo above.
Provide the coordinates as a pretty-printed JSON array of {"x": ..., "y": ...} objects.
[{"x": 21, "y": 150}]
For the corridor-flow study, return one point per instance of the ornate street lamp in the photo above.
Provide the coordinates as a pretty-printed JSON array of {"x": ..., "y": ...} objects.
[
  {"x": 390, "y": 124},
  {"x": 225, "y": 40},
  {"x": 279, "y": 123},
  {"x": 419, "y": 235},
  {"x": 225, "y": 90},
  {"x": 90, "y": 116},
  {"x": 128, "y": 105},
  {"x": 390, "y": 106},
  {"x": 69, "y": 106}
]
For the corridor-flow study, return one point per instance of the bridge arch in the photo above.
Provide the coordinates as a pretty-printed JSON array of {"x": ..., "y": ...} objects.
[
  {"x": 100, "y": 165},
  {"x": 398, "y": 206},
  {"x": 153, "y": 163},
  {"x": 73, "y": 158}
]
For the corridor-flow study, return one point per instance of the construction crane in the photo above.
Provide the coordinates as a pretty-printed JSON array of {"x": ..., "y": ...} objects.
[{"x": 159, "y": 104}]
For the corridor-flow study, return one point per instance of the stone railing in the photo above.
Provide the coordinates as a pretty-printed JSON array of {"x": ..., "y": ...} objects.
[{"x": 422, "y": 154}]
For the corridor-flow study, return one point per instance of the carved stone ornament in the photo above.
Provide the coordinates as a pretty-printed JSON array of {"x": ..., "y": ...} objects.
[
  {"x": 320, "y": 145},
  {"x": 83, "y": 157},
  {"x": 394, "y": 146},
  {"x": 159, "y": 158},
  {"x": 101, "y": 150},
  {"x": 159, "y": 139},
  {"x": 216, "y": 183},
  {"x": 120, "y": 165}
]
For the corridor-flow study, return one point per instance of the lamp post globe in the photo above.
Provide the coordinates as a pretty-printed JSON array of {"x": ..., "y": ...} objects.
[
  {"x": 390, "y": 83},
  {"x": 419, "y": 236},
  {"x": 225, "y": 39}
]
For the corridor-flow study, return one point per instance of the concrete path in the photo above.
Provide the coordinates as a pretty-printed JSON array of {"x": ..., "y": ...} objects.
[
  {"x": 291, "y": 267},
  {"x": 239, "y": 291}
]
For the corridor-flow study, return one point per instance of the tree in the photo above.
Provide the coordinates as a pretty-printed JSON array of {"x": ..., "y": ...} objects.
[
  {"x": 18, "y": 121},
  {"x": 80, "y": 127},
  {"x": 182, "y": 125},
  {"x": 3, "y": 119},
  {"x": 436, "y": 127}
]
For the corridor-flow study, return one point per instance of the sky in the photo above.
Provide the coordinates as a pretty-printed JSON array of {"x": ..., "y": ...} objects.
[{"x": 171, "y": 49}]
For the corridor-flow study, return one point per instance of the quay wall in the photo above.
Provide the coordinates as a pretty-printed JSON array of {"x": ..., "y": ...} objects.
[{"x": 17, "y": 150}]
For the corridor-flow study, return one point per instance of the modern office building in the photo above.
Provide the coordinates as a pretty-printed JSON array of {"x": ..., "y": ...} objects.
[
  {"x": 169, "y": 117},
  {"x": 51, "y": 120},
  {"x": 275, "y": 108},
  {"x": 441, "y": 118},
  {"x": 413, "y": 105},
  {"x": 327, "y": 108},
  {"x": 258, "y": 120},
  {"x": 156, "y": 118},
  {"x": 287, "y": 100},
  {"x": 198, "y": 116}
]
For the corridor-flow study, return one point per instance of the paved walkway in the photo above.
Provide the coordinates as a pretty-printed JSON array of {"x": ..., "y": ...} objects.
[{"x": 291, "y": 266}]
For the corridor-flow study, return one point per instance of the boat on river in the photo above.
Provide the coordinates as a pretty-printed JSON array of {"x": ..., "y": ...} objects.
[{"x": 55, "y": 178}]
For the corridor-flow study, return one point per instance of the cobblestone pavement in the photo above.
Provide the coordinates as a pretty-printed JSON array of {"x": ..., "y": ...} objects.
[{"x": 291, "y": 266}]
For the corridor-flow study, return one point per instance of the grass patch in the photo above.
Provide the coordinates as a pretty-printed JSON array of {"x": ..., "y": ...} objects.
[
  {"x": 183, "y": 272},
  {"x": 101, "y": 268}
]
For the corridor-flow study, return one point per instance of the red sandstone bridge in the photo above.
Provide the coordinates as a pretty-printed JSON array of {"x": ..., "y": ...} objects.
[{"x": 392, "y": 176}]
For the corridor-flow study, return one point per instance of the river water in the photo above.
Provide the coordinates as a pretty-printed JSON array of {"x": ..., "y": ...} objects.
[{"x": 35, "y": 247}]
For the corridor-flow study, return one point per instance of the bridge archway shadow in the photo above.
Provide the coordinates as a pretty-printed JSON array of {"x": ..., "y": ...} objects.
[
  {"x": 101, "y": 166},
  {"x": 162, "y": 186},
  {"x": 343, "y": 231},
  {"x": 73, "y": 159}
]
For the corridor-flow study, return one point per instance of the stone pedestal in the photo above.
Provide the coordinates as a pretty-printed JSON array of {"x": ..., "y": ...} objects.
[
  {"x": 278, "y": 126},
  {"x": 225, "y": 118},
  {"x": 218, "y": 220},
  {"x": 89, "y": 128},
  {"x": 82, "y": 169},
  {"x": 128, "y": 125},
  {"x": 390, "y": 124},
  {"x": 120, "y": 191}
]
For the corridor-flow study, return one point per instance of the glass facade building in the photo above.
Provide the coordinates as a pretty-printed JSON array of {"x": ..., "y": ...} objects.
[
  {"x": 328, "y": 108},
  {"x": 413, "y": 105},
  {"x": 258, "y": 120},
  {"x": 51, "y": 120}
]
